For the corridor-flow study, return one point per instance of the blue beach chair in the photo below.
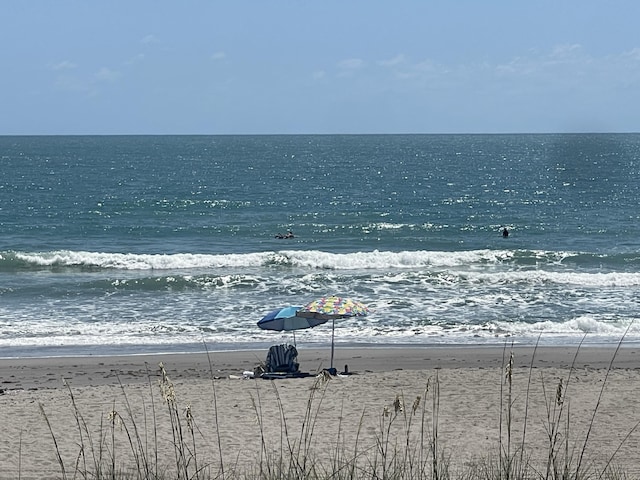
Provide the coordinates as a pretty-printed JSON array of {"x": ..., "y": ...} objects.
[
  {"x": 282, "y": 359},
  {"x": 282, "y": 362}
]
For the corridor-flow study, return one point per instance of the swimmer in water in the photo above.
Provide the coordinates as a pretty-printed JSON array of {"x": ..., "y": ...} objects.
[{"x": 289, "y": 234}]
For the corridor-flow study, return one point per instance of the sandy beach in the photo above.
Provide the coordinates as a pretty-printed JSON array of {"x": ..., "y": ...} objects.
[{"x": 107, "y": 407}]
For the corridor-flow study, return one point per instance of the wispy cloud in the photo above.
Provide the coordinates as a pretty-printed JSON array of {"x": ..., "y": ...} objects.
[
  {"x": 64, "y": 65},
  {"x": 107, "y": 75},
  {"x": 351, "y": 64},
  {"x": 566, "y": 50},
  {"x": 219, "y": 56},
  {"x": 149, "y": 40},
  {"x": 318, "y": 74},
  {"x": 392, "y": 62},
  {"x": 633, "y": 54},
  {"x": 561, "y": 62},
  {"x": 557, "y": 70},
  {"x": 139, "y": 58}
]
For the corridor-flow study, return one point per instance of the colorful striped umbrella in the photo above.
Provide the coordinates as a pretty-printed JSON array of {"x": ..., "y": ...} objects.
[{"x": 332, "y": 308}]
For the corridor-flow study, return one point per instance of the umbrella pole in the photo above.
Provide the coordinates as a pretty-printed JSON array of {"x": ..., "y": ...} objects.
[
  {"x": 294, "y": 339},
  {"x": 333, "y": 329}
]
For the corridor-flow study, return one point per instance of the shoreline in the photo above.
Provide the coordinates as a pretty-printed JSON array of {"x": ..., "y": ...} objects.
[{"x": 48, "y": 372}]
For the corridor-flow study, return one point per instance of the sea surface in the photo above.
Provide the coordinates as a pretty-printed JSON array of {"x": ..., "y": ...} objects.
[{"x": 139, "y": 244}]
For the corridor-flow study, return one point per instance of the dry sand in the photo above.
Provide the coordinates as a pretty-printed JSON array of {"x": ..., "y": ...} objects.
[{"x": 75, "y": 399}]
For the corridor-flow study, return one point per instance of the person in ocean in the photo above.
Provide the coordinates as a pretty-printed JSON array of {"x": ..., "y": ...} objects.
[
  {"x": 289, "y": 234},
  {"x": 505, "y": 232}
]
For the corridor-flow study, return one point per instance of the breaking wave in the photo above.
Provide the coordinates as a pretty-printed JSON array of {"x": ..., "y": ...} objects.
[{"x": 313, "y": 259}]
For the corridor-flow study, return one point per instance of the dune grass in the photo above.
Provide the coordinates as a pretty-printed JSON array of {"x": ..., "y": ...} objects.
[{"x": 407, "y": 443}]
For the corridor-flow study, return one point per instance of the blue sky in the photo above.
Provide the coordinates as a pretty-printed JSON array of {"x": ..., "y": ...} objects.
[{"x": 329, "y": 66}]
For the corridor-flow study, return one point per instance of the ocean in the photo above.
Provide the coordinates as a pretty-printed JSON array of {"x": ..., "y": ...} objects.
[{"x": 146, "y": 244}]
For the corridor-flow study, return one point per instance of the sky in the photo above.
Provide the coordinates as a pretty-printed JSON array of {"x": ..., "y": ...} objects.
[{"x": 318, "y": 67}]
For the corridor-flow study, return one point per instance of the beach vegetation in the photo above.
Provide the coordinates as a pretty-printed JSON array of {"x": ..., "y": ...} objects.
[{"x": 164, "y": 440}]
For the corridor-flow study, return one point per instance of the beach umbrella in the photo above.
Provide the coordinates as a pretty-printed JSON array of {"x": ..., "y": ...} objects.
[
  {"x": 286, "y": 319},
  {"x": 333, "y": 308}
]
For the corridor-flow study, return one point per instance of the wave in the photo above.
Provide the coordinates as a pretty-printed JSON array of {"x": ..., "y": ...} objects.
[
  {"x": 116, "y": 333},
  {"x": 61, "y": 259},
  {"x": 177, "y": 283},
  {"x": 318, "y": 260},
  {"x": 392, "y": 284}
]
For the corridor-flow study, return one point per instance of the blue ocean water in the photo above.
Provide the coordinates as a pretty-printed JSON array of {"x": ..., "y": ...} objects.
[{"x": 139, "y": 244}]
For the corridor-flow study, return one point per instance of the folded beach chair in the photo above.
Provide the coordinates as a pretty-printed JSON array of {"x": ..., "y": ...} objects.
[{"x": 282, "y": 359}]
